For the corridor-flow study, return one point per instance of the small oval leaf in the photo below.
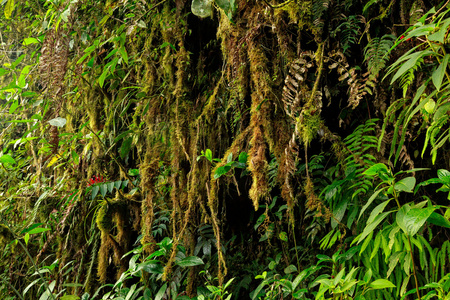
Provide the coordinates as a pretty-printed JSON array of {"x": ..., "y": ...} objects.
[{"x": 58, "y": 122}]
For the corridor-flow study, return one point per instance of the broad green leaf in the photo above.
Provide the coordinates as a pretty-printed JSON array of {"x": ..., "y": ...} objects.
[
  {"x": 300, "y": 277},
  {"x": 126, "y": 146},
  {"x": 3, "y": 71},
  {"x": 118, "y": 184},
  {"x": 366, "y": 243},
  {"x": 131, "y": 292},
  {"x": 38, "y": 230},
  {"x": 229, "y": 158},
  {"x": 438, "y": 74},
  {"x": 371, "y": 227},
  {"x": 208, "y": 154},
  {"x": 430, "y": 105},
  {"x": 190, "y": 261},
  {"x": 243, "y": 157},
  {"x": 29, "y": 41},
  {"x": 9, "y": 8},
  {"x": 6, "y": 158},
  {"x": 438, "y": 219},
  {"x": 133, "y": 172},
  {"x": 338, "y": 277},
  {"x": 161, "y": 292},
  {"x": 338, "y": 213},
  {"x": 348, "y": 285},
  {"x": 122, "y": 135},
  {"x": 290, "y": 269},
  {"x": 377, "y": 210},
  {"x": 376, "y": 169},
  {"x": 410, "y": 63},
  {"x": 95, "y": 190},
  {"x": 123, "y": 54},
  {"x": 410, "y": 221},
  {"x": 21, "y": 82},
  {"x": 101, "y": 79},
  {"x": 17, "y": 61},
  {"x": 30, "y": 286},
  {"x": 75, "y": 157},
  {"x": 103, "y": 189},
  {"x": 421, "y": 30},
  {"x": 202, "y": 8},
  {"x": 58, "y": 122},
  {"x": 83, "y": 57},
  {"x": 373, "y": 197},
  {"x": 381, "y": 284},
  {"x": 439, "y": 35},
  {"x": 444, "y": 175},
  {"x": 368, "y": 275},
  {"x": 376, "y": 246},
  {"x": 221, "y": 171},
  {"x": 400, "y": 216},
  {"x": 70, "y": 297},
  {"x": 13, "y": 106},
  {"x": 405, "y": 185},
  {"x": 153, "y": 267}
]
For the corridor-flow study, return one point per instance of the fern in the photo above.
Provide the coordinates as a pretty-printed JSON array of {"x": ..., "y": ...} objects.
[
  {"x": 376, "y": 54},
  {"x": 407, "y": 78},
  {"x": 318, "y": 9},
  {"x": 357, "y": 151},
  {"x": 350, "y": 31}
]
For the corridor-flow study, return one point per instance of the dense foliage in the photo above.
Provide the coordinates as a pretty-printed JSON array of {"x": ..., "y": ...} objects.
[{"x": 224, "y": 149}]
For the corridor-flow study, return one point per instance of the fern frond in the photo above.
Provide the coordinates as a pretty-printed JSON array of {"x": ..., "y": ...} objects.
[
  {"x": 407, "y": 78},
  {"x": 357, "y": 151},
  {"x": 376, "y": 53},
  {"x": 294, "y": 88},
  {"x": 350, "y": 30},
  {"x": 318, "y": 9}
]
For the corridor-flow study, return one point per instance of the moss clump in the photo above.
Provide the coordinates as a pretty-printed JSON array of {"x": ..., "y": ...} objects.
[
  {"x": 113, "y": 221},
  {"x": 309, "y": 124}
]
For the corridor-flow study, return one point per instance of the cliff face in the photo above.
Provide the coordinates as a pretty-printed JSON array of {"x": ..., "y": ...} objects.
[{"x": 230, "y": 131}]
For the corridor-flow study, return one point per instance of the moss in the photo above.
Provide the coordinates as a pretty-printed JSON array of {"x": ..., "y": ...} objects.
[
  {"x": 308, "y": 125},
  {"x": 257, "y": 165},
  {"x": 298, "y": 12},
  {"x": 113, "y": 215},
  {"x": 314, "y": 203}
]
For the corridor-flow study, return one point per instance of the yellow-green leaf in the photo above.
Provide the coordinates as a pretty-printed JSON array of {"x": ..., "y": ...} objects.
[
  {"x": 9, "y": 8},
  {"x": 438, "y": 74},
  {"x": 430, "y": 105},
  {"x": 381, "y": 284}
]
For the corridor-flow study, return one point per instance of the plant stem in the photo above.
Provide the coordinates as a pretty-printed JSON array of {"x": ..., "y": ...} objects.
[{"x": 414, "y": 268}]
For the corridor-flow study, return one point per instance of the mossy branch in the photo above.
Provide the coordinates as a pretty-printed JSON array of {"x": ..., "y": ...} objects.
[
  {"x": 319, "y": 59},
  {"x": 278, "y": 5}
]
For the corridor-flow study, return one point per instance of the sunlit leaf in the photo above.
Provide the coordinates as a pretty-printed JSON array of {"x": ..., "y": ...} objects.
[
  {"x": 58, "y": 122},
  {"x": 405, "y": 185},
  {"x": 411, "y": 220},
  {"x": 9, "y": 8},
  {"x": 6, "y": 158},
  {"x": 381, "y": 284}
]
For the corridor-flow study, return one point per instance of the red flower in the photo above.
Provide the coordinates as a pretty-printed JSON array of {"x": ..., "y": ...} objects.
[
  {"x": 96, "y": 179},
  {"x": 402, "y": 37}
]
